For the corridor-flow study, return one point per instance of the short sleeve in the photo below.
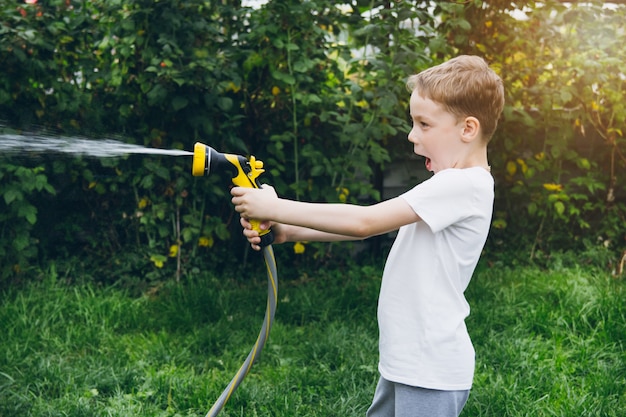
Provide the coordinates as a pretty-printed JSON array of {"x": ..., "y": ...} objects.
[{"x": 451, "y": 196}]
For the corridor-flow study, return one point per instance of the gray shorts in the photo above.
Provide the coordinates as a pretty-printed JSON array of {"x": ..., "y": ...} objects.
[{"x": 392, "y": 399}]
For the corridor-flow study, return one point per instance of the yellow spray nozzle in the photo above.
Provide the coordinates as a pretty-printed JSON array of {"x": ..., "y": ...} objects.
[
  {"x": 242, "y": 172},
  {"x": 200, "y": 162}
]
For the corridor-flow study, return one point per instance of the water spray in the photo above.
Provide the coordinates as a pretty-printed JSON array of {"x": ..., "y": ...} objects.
[
  {"x": 243, "y": 173},
  {"x": 105, "y": 148}
]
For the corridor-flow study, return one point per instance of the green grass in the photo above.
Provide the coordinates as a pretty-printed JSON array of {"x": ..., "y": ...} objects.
[{"x": 549, "y": 343}]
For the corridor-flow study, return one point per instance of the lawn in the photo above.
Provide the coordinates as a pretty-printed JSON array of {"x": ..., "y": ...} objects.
[{"x": 548, "y": 343}]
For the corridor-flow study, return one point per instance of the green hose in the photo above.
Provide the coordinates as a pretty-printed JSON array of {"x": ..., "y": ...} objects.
[{"x": 272, "y": 292}]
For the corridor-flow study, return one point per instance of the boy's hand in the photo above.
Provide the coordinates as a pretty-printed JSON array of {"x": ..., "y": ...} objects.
[
  {"x": 254, "y": 203},
  {"x": 253, "y": 235}
]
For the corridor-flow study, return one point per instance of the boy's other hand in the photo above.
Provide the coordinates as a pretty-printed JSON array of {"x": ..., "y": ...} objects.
[{"x": 253, "y": 235}]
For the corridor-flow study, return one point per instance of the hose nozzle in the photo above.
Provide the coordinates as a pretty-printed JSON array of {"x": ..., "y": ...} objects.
[{"x": 243, "y": 173}]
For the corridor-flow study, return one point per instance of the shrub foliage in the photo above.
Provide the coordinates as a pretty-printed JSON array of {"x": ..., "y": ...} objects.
[{"x": 314, "y": 89}]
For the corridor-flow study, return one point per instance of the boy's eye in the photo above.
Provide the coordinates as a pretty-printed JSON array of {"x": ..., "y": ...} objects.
[{"x": 420, "y": 123}]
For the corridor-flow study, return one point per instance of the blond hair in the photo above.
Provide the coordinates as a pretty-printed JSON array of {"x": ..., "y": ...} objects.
[{"x": 465, "y": 86}]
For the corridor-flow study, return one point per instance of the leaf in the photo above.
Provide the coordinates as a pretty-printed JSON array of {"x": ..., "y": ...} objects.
[
  {"x": 21, "y": 242},
  {"x": 584, "y": 163},
  {"x": 311, "y": 98},
  {"x": 499, "y": 224},
  {"x": 187, "y": 234},
  {"x": 29, "y": 213},
  {"x": 158, "y": 260},
  {"x": 559, "y": 207},
  {"x": 147, "y": 181},
  {"x": 157, "y": 94},
  {"x": 303, "y": 66},
  {"x": 225, "y": 103},
  {"x": 566, "y": 96},
  {"x": 40, "y": 182},
  {"x": 317, "y": 170},
  {"x": 12, "y": 195},
  {"x": 284, "y": 77},
  {"x": 511, "y": 168},
  {"x": 162, "y": 172},
  {"x": 179, "y": 103},
  {"x": 254, "y": 60}
]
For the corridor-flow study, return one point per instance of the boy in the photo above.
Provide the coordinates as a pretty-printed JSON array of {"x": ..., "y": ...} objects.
[{"x": 426, "y": 357}]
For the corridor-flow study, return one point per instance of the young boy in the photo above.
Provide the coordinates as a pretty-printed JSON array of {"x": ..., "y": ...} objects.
[{"x": 426, "y": 357}]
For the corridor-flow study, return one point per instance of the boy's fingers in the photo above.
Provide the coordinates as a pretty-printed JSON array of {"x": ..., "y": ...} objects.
[
  {"x": 237, "y": 191},
  {"x": 245, "y": 223},
  {"x": 251, "y": 234}
]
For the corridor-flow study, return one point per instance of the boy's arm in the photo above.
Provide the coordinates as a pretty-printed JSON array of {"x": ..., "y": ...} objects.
[
  {"x": 349, "y": 221},
  {"x": 288, "y": 233},
  {"x": 304, "y": 234}
]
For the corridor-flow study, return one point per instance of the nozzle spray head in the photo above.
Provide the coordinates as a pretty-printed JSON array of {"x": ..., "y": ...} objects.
[
  {"x": 243, "y": 173},
  {"x": 201, "y": 160},
  {"x": 207, "y": 159}
]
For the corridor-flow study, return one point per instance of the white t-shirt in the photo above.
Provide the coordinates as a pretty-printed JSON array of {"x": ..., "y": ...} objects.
[{"x": 422, "y": 308}]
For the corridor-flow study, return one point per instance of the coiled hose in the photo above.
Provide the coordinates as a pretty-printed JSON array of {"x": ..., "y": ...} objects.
[{"x": 272, "y": 292}]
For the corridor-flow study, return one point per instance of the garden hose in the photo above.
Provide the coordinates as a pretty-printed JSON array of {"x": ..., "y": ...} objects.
[
  {"x": 272, "y": 291},
  {"x": 243, "y": 173}
]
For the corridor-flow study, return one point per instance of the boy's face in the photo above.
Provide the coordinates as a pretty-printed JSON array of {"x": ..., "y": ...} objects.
[{"x": 436, "y": 133}]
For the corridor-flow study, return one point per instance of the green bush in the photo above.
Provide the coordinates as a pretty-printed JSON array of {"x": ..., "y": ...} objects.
[
  {"x": 560, "y": 147},
  {"x": 20, "y": 186},
  {"x": 316, "y": 91}
]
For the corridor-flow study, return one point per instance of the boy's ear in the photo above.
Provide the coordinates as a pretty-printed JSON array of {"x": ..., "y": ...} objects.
[{"x": 471, "y": 129}]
